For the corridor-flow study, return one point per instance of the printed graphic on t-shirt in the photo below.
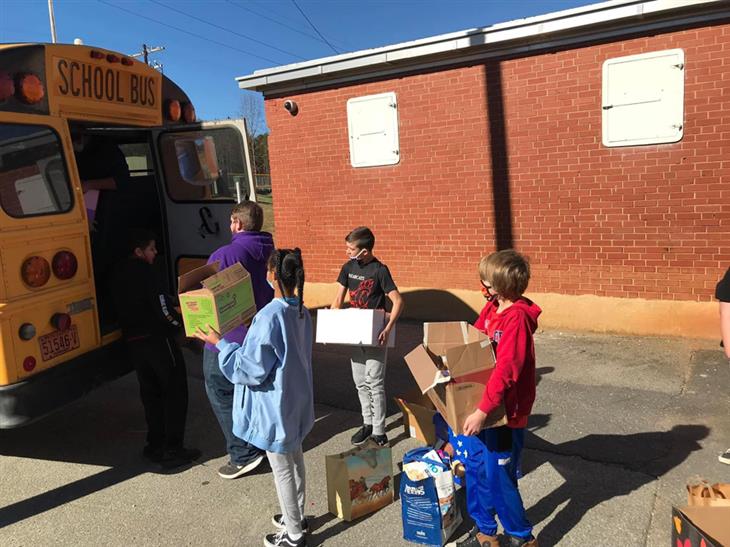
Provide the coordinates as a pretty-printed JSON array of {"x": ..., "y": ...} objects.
[
  {"x": 359, "y": 297},
  {"x": 497, "y": 336}
]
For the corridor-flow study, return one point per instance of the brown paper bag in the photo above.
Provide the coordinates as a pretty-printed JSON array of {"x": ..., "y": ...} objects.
[
  {"x": 359, "y": 481},
  {"x": 701, "y": 494}
]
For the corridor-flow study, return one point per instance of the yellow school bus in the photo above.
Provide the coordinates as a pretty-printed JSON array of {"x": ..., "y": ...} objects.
[{"x": 92, "y": 144}]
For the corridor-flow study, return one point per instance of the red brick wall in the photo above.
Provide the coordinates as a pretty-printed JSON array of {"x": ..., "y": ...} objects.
[{"x": 647, "y": 222}]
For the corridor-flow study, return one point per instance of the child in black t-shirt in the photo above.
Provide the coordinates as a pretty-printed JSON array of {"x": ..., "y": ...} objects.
[{"x": 368, "y": 282}]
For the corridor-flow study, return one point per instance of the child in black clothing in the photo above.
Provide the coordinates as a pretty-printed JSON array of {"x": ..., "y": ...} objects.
[{"x": 149, "y": 324}]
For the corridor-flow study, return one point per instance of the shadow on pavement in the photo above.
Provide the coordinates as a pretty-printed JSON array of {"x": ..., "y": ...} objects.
[{"x": 643, "y": 457}]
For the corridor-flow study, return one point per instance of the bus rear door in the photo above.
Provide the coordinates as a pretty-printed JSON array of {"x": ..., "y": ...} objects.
[{"x": 206, "y": 170}]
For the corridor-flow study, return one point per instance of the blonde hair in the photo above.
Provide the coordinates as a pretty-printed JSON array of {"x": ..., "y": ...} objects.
[{"x": 508, "y": 272}]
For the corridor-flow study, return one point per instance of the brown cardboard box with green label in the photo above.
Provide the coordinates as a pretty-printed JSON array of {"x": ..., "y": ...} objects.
[{"x": 224, "y": 300}]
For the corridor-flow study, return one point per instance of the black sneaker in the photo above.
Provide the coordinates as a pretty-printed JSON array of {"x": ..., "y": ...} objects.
[
  {"x": 278, "y": 521},
  {"x": 380, "y": 440},
  {"x": 178, "y": 457},
  {"x": 513, "y": 541},
  {"x": 233, "y": 471},
  {"x": 282, "y": 539},
  {"x": 153, "y": 453},
  {"x": 362, "y": 435}
]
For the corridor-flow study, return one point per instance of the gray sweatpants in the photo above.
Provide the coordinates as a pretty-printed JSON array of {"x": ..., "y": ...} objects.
[
  {"x": 288, "y": 470},
  {"x": 368, "y": 372}
]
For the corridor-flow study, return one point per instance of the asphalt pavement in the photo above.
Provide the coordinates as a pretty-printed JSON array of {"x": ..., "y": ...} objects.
[{"x": 619, "y": 425}]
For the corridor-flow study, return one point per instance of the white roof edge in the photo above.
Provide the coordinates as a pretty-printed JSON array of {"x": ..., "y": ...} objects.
[{"x": 532, "y": 28}]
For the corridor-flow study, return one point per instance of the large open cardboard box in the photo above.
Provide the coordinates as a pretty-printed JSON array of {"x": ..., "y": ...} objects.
[
  {"x": 352, "y": 327},
  {"x": 452, "y": 367},
  {"x": 701, "y": 526},
  {"x": 418, "y": 412},
  {"x": 223, "y": 300}
]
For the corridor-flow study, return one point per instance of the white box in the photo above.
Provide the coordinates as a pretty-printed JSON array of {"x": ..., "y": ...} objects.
[{"x": 352, "y": 327}]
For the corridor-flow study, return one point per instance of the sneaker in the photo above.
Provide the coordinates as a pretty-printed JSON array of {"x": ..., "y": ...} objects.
[
  {"x": 513, "y": 541},
  {"x": 153, "y": 453},
  {"x": 179, "y": 456},
  {"x": 278, "y": 521},
  {"x": 282, "y": 539},
  {"x": 478, "y": 540},
  {"x": 362, "y": 435},
  {"x": 380, "y": 440},
  {"x": 233, "y": 471},
  {"x": 725, "y": 457}
]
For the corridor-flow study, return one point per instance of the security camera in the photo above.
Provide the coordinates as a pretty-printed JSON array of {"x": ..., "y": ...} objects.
[{"x": 291, "y": 107}]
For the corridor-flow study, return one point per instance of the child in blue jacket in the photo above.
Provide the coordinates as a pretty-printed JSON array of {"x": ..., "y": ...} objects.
[{"x": 274, "y": 366}]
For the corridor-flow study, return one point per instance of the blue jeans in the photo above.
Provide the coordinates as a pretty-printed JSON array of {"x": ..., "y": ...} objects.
[
  {"x": 491, "y": 484},
  {"x": 220, "y": 395}
]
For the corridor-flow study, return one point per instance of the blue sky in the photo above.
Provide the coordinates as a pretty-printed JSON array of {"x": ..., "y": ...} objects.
[{"x": 209, "y": 43}]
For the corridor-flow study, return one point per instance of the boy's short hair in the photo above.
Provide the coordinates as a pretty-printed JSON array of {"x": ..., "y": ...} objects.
[
  {"x": 250, "y": 215},
  {"x": 507, "y": 271},
  {"x": 362, "y": 238},
  {"x": 139, "y": 238}
]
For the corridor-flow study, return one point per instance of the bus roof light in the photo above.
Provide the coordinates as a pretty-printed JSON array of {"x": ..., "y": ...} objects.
[
  {"x": 188, "y": 113},
  {"x": 64, "y": 265},
  {"x": 112, "y": 58},
  {"x": 7, "y": 86},
  {"x": 96, "y": 54},
  {"x": 126, "y": 61},
  {"x": 30, "y": 88},
  {"x": 173, "y": 110},
  {"x": 35, "y": 271}
]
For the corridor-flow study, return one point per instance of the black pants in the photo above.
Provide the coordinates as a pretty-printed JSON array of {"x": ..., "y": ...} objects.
[{"x": 163, "y": 386}]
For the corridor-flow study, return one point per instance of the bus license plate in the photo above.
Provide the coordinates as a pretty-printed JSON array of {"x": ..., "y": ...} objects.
[{"x": 59, "y": 342}]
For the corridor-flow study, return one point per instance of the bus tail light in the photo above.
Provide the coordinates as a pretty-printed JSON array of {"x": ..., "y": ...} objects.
[
  {"x": 172, "y": 109},
  {"x": 30, "y": 88},
  {"x": 35, "y": 271},
  {"x": 61, "y": 321},
  {"x": 64, "y": 265},
  {"x": 188, "y": 113},
  {"x": 7, "y": 86},
  {"x": 26, "y": 331},
  {"x": 29, "y": 363}
]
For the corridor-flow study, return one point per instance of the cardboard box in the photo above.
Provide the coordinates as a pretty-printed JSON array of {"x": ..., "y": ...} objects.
[
  {"x": 700, "y": 526},
  {"x": 418, "y": 412},
  {"x": 452, "y": 367},
  {"x": 352, "y": 327},
  {"x": 224, "y": 300}
]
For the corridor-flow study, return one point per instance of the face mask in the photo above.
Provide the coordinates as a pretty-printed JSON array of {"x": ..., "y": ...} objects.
[{"x": 357, "y": 256}]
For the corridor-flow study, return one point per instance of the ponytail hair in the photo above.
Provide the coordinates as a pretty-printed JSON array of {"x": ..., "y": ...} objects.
[{"x": 289, "y": 269}]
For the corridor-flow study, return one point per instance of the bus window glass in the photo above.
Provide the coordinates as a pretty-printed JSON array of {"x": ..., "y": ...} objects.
[
  {"x": 206, "y": 165},
  {"x": 33, "y": 176},
  {"x": 138, "y": 158}
]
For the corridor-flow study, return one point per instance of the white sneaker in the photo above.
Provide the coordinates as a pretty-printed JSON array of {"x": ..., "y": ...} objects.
[{"x": 725, "y": 457}]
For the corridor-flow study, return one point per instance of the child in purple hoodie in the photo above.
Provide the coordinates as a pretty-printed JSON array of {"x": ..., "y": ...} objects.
[{"x": 252, "y": 248}]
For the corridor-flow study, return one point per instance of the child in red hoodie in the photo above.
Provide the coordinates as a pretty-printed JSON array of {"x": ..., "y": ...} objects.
[{"x": 509, "y": 319}]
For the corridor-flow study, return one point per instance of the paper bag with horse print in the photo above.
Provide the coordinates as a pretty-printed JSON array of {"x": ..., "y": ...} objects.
[{"x": 359, "y": 481}]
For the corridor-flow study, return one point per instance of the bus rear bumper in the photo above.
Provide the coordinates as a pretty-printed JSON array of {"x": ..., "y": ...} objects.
[{"x": 39, "y": 395}]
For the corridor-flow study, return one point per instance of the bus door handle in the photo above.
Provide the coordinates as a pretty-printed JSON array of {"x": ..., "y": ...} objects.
[{"x": 208, "y": 224}]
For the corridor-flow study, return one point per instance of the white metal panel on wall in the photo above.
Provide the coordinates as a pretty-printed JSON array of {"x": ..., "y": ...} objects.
[
  {"x": 643, "y": 98},
  {"x": 372, "y": 122}
]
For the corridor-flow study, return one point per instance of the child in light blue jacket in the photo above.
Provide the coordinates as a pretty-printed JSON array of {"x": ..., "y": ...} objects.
[{"x": 274, "y": 367}]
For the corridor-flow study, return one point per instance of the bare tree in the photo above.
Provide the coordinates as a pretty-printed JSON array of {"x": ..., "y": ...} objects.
[{"x": 252, "y": 110}]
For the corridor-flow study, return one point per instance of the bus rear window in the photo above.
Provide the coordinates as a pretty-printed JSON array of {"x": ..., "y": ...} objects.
[
  {"x": 33, "y": 177},
  {"x": 204, "y": 165}
]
